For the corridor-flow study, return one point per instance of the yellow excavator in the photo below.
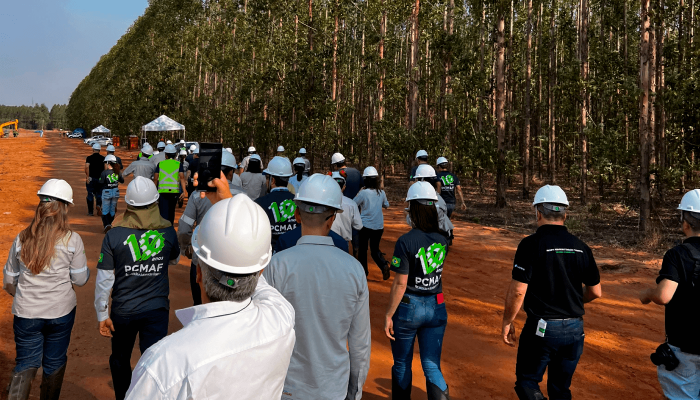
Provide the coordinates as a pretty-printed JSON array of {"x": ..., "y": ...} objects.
[{"x": 15, "y": 123}]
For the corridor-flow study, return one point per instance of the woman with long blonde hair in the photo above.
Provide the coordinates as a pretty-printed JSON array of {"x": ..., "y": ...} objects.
[{"x": 45, "y": 260}]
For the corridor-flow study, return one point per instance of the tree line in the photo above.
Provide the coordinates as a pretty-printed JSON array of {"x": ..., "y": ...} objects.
[
  {"x": 595, "y": 93},
  {"x": 36, "y": 117}
]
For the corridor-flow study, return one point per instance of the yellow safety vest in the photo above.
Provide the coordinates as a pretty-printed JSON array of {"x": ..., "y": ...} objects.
[{"x": 168, "y": 176}]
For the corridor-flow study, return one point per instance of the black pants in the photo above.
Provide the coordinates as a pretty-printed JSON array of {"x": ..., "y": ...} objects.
[
  {"x": 373, "y": 236},
  {"x": 196, "y": 290},
  {"x": 150, "y": 326},
  {"x": 167, "y": 203}
]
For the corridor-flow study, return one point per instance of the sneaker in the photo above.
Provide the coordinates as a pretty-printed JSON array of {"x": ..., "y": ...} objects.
[{"x": 107, "y": 228}]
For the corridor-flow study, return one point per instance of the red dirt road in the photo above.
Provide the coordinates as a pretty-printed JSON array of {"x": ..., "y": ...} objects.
[{"x": 621, "y": 333}]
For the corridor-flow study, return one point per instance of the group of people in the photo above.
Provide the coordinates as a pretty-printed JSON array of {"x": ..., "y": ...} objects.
[{"x": 281, "y": 307}]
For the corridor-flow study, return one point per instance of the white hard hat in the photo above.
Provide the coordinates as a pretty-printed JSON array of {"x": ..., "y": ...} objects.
[
  {"x": 280, "y": 148},
  {"x": 299, "y": 161},
  {"x": 96, "y": 146},
  {"x": 337, "y": 175},
  {"x": 424, "y": 171},
  {"x": 302, "y": 151},
  {"x": 422, "y": 153},
  {"x": 230, "y": 150},
  {"x": 141, "y": 192},
  {"x": 57, "y": 189},
  {"x": 321, "y": 190},
  {"x": 147, "y": 149},
  {"x": 337, "y": 158},
  {"x": 170, "y": 149},
  {"x": 441, "y": 160},
  {"x": 550, "y": 194},
  {"x": 183, "y": 152},
  {"x": 421, "y": 191},
  {"x": 110, "y": 158},
  {"x": 228, "y": 160},
  {"x": 160, "y": 145},
  {"x": 111, "y": 148},
  {"x": 168, "y": 142},
  {"x": 193, "y": 147},
  {"x": 279, "y": 166},
  {"x": 255, "y": 157},
  {"x": 251, "y": 149},
  {"x": 690, "y": 201},
  {"x": 369, "y": 172},
  {"x": 234, "y": 237},
  {"x": 182, "y": 140},
  {"x": 196, "y": 150}
]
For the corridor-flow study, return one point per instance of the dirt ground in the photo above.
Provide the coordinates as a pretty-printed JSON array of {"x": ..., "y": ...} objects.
[{"x": 621, "y": 333}]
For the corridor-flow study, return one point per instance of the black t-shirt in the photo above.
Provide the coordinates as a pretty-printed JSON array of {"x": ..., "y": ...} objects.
[
  {"x": 279, "y": 206},
  {"x": 192, "y": 166},
  {"x": 110, "y": 179},
  {"x": 139, "y": 258},
  {"x": 682, "y": 312},
  {"x": 96, "y": 161},
  {"x": 555, "y": 264},
  {"x": 448, "y": 183},
  {"x": 421, "y": 256},
  {"x": 353, "y": 182}
]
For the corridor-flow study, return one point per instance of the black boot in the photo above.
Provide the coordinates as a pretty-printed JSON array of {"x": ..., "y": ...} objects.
[
  {"x": 384, "y": 266},
  {"x": 90, "y": 205},
  {"x": 397, "y": 392},
  {"x": 528, "y": 394},
  {"x": 51, "y": 384},
  {"x": 434, "y": 392},
  {"x": 21, "y": 384}
]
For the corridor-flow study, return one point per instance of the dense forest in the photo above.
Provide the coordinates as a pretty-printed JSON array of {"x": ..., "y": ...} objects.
[
  {"x": 36, "y": 117},
  {"x": 594, "y": 93}
]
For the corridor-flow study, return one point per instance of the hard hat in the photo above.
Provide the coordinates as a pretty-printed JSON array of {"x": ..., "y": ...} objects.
[
  {"x": 336, "y": 175},
  {"x": 299, "y": 161},
  {"x": 182, "y": 140},
  {"x": 170, "y": 149},
  {"x": 279, "y": 166},
  {"x": 183, "y": 152},
  {"x": 147, "y": 149},
  {"x": 234, "y": 237},
  {"x": 337, "y": 158},
  {"x": 550, "y": 194},
  {"x": 690, "y": 201},
  {"x": 280, "y": 148},
  {"x": 369, "y": 172},
  {"x": 196, "y": 150},
  {"x": 57, "y": 189},
  {"x": 193, "y": 147},
  {"x": 421, "y": 191},
  {"x": 228, "y": 160},
  {"x": 302, "y": 151},
  {"x": 321, "y": 190},
  {"x": 422, "y": 153},
  {"x": 424, "y": 171},
  {"x": 111, "y": 148},
  {"x": 141, "y": 192},
  {"x": 110, "y": 158},
  {"x": 168, "y": 142},
  {"x": 255, "y": 157},
  {"x": 441, "y": 160},
  {"x": 251, "y": 149},
  {"x": 96, "y": 146},
  {"x": 230, "y": 150},
  {"x": 161, "y": 145}
]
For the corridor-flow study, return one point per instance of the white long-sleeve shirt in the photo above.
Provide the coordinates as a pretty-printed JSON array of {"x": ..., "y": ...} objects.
[
  {"x": 226, "y": 350},
  {"x": 348, "y": 220}
]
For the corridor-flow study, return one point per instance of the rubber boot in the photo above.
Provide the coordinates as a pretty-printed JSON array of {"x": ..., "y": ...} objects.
[
  {"x": 397, "y": 392},
  {"x": 21, "y": 384},
  {"x": 529, "y": 394},
  {"x": 434, "y": 392},
  {"x": 51, "y": 384}
]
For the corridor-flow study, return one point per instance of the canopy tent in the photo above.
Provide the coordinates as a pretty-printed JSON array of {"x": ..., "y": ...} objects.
[
  {"x": 101, "y": 129},
  {"x": 162, "y": 124}
]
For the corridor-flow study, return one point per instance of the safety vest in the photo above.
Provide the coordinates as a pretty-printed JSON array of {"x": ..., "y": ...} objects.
[
  {"x": 139, "y": 156},
  {"x": 168, "y": 176}
]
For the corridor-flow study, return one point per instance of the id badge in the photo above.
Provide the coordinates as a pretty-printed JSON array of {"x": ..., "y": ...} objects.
[{"x": 541, "y": 327}]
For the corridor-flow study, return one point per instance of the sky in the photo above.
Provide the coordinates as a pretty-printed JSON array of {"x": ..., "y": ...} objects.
[{"x": 48, "y": 46}]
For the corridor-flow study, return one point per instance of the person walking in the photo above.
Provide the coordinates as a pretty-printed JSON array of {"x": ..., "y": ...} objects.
[
  {"x": 182, "y": 157},
  {"x": 426, "y": 173},
  {"x": 142, "y": 166},
  {"x": 46, "y": 259},
  {"x": 299, "y": 173},
  {"x": 252, "y": 180},
  {"x": 350, "y": 218},
  {"x": 170, "y": 176},
  {"x": 353, "y": 185},
  {"x": 677, "y": 290},
  {"x": 133, "y": 265},
  {"x": 421, "y": 158},
  {"x": 302, "y": 155},
  {"x": 145, "y": 153},
  {"x": 192, "y": 168},
  {"x": 94, "y": 165},
  {"x": 416, "y": 302},
  {"x": 197, "y": 207},
  {"x": 279, "y": 203},
  {"x": 246, "y": 160},
  {"x": 554, "y": 274},
  {"x": 370, "y": 201},
  {"x": 158, "y": 155},
  {"x": 329, "y": 293},
  {"x": 448, "y": 185},
  {"x": 110, "y": 151},
  {"x": 110, "y": 180}
]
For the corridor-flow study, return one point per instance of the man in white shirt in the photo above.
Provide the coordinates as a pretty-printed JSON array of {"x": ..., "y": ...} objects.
[
  {"x": 238, "y": 343},
  {"x": 349, "y": 219}
]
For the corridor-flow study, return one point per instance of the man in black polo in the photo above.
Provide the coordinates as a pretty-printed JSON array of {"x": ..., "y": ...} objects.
[
  {"x": 94, "y": 165},
  {"x": 554, "y": 274},
  {"x": 679, "y": 291}
]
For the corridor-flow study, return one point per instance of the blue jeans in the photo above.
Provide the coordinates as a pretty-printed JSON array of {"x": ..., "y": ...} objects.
[
  {"x": 42, "y": 342},
  {"x": 559, "y": 349},
  {"x": 110, "y": 197},
  {"x": 684, "y": 381},
  {"x": 450, "y": 209},
  {"x": 424, "y": 318}
]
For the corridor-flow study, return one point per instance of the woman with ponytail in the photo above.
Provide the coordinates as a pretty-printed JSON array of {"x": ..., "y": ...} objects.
[
  {"x": 45, "y": 261},
  {"x": 298, "y": 177}
]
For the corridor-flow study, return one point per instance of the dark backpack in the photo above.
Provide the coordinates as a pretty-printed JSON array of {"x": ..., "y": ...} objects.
[{"x": 695, "y": 255}]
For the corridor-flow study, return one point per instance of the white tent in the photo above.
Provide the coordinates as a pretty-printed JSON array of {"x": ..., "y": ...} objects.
[
  {"x": 162, "y": 124},
  {"x": 101, "y": 129}
]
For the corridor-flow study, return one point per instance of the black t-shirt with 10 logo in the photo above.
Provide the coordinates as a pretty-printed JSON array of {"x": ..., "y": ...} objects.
[{"x": 421, "y": 256}]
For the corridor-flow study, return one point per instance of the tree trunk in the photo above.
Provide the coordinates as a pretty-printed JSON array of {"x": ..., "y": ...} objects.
[
  {"x": 660, "y": 106},
  {"x": 584, "y": 101},
  {"x": 551, "y": 166},
  {"x": 500, "y": 110},
  {"x": 645, "y": 197},
  {"x": 414, "y": 67},
  {"x": 526, "y": 100}
]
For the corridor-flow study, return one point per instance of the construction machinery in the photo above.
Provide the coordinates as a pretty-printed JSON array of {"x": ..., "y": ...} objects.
[{"x": 15, "y": 123}]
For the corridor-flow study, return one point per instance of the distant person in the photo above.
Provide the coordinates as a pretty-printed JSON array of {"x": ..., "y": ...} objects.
[
  {"x": 145, "y": 153},
  {"x": 142, "y": 166},
  {"x": 353, "y": 185},
  {"x": 46, "y": 259},
  {"x": 94, "y": 165},
  {"x": 448, "y": 185},
  {"x": 133, "y": 266},
  {"x": 110, "y": 151},
  {"x": 278, "y": 204},
  {"x": 298, "y": 177},
  {"x": 192, "y": 168},
  {"x": 554, "y": 274},
  {"x": 426, "y": 173},
  {"x": 302, "y": 154},
  {"x": 159, "y": 155},
  {"x": 253, "y": 181},
  {"x": 421, "y": 158},
  {"x": 182, "y": 155},
  {"x": 350, "y": 218},
  {"x": 110, "y": 180},
  {"x": 246, "y": 160},
  {"x": 170, "y": 176},
  {"x": 370, "y": 201}
]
